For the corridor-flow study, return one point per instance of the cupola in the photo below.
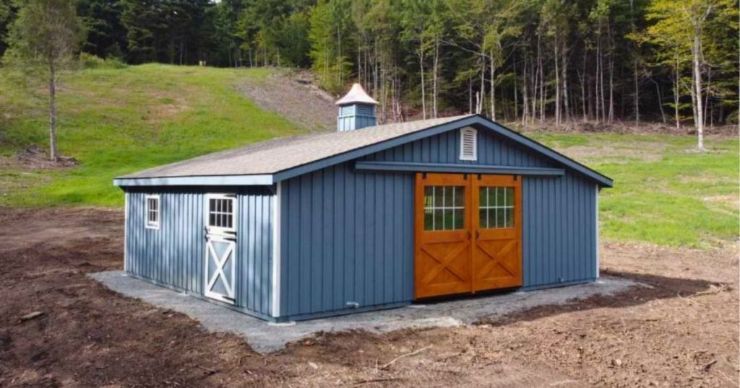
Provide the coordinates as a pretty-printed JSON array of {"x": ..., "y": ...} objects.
[{"x": 356, "y": 110}]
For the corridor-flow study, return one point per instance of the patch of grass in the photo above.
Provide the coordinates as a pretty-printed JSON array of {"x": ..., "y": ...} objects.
[
  {"x": 665, "y": 192},
  {"x": 120, "y": 120}
]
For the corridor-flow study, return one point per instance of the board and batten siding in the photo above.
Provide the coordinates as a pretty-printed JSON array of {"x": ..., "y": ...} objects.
[
  {"x": 346, "y": 239},
  {"x": 174, "y": 254},
  {"x": 347, "y": 236},
  {"x": 559, "y": 235}
]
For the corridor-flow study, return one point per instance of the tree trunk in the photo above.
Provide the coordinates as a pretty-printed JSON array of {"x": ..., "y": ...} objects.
[
  {"x": 53, "y": 113},
  {"x": 676, "y": 95},
  {"x": 697, "y": 85},
  {"x": 557, "y": 84},
  {"x": 435, "y": 70},
  {"x": 598, "y": 77},
  {"x": 479, "y": 102},
  {"x": 423, "y": 86},
  {"x": 566, "y": 105},
  {"x": 516, "y": 90},
  {"x": 525, "y": 96},
  {"x": 493, "y": 88},
  {"x": 637, "y": 93},
  {"x": 541, "y": 77},
  {"x": 660, "y": 100}
]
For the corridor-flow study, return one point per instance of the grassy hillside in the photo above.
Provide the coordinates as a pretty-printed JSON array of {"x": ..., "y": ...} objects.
[{"x": 116, "y": 121}]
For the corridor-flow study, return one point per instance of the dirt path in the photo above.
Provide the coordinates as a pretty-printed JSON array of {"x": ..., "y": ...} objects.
[{"x": 681, "y": 332}]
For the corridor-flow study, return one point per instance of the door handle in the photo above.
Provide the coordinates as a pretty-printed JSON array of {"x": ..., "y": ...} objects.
[{"x": 477, "y": 234}]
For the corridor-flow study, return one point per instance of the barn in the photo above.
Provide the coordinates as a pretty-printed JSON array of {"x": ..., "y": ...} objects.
[{"x": 365, "y": 217}]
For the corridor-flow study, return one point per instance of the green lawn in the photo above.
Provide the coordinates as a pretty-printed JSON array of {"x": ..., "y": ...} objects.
[
  {"x": 116, "y": 121},
  {"x": 665, "y": 192}
]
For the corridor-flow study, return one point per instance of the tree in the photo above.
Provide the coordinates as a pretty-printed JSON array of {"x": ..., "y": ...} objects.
[
  {"x": 45, "y": 36},
  {"x": 106, "y": 36},
  {"x": 6, "y": 17},
  {"x": 678, "y": 26}
]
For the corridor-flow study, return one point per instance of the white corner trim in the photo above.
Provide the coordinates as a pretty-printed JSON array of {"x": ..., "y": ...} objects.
[
  {"x": 276, "y": 251},
  {"x": 125, "y": 231},
  {"x": 596, "y": 217}
]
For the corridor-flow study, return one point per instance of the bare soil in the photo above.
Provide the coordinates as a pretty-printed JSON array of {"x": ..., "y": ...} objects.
[
  {"x": 295, "y": 96},
  {"x": 682, "y": 331}
]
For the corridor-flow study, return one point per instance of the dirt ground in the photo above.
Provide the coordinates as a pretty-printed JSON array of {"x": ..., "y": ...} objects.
[{"x": 683, "y": 331}]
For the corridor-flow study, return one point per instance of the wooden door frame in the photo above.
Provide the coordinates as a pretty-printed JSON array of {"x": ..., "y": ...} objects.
[
  {"x": 437, "y": 179},
  {"x": 471, "y": 223},
  {"x": 483, "y": 180}
]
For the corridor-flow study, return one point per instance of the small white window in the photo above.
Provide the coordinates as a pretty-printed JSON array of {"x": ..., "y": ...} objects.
[
  {"x": 152, "y": 211},
  {"x": 221, "y": 215},
  {"x": 468, "y": 144}
]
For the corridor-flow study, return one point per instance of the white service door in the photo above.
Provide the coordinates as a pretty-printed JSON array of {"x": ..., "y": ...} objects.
[{"x": 220, "y": 255}]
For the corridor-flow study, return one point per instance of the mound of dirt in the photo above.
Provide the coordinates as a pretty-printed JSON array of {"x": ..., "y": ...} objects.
[{"x": 35, "y": 157}]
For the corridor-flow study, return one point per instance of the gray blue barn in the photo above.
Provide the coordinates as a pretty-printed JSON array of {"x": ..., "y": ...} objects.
[{"x": 367, "y": 217}]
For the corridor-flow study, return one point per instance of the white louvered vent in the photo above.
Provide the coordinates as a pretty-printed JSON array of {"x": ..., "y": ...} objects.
[{"x": 468, "y": 144}]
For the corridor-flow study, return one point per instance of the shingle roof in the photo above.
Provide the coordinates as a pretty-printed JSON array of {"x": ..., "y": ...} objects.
[{"x": 281, "y": 154}]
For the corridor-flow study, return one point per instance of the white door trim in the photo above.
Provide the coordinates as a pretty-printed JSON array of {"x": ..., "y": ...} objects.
[{"x": 221, "y": 235}]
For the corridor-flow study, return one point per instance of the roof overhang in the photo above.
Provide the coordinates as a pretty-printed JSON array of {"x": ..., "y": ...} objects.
[{"x": 214, "y": 180}]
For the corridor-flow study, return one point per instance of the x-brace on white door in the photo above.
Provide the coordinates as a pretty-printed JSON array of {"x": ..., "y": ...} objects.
[{"x": 220, "y": 255}]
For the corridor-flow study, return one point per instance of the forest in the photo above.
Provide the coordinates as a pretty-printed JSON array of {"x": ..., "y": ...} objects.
[{"x": 672, "y": 62}]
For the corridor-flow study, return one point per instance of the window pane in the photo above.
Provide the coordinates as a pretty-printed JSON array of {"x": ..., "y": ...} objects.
[
  {"x": 459, "y": 219},
  {"x": 491, "y": 191},
  {"x": 509, "y": 218},
  {"x": 500, "y": 221},
  {"x": 459, "y": 196},
  {"x": 428, "y": 197},
  {"x": 447, "y": 196},
  {"x": 428, "y": 220},
  {"x": 449, "y": 222},
  {"x": 509, "y": 196},
  {"x": 438, "y": 219},
  {"x": 483, "y": 214},
  {"x": 483, "y": 196},
  {"x": 437, "y": 192}
]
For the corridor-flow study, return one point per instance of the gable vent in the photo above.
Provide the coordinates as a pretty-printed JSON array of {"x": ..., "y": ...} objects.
[{"x": 468, "y": 144}]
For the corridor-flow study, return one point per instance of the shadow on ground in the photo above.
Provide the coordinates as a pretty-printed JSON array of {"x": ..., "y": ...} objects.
[{"x": 653, "y": 287}]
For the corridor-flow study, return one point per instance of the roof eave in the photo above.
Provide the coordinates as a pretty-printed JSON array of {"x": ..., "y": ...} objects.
[{"x": 212, "y": 180}]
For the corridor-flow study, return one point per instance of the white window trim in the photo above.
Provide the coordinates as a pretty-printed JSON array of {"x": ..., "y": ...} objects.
[
  {"x": 219, "y": 229},
  {"x": 148, "y": 224},
  {"x": 463, "y": 132}
]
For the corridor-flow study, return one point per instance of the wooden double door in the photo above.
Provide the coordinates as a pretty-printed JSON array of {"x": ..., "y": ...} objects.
[{"x": 468, "y": 233}]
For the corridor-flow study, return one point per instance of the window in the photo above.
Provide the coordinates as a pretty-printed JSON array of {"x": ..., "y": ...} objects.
[
  {"x": 221, "y": 212},
  {"x": 468, "y": 144},
  {"x": 152, "y": 211},
  {"x": 496, "y": 207},
  {"x": 444, "y": 207}
]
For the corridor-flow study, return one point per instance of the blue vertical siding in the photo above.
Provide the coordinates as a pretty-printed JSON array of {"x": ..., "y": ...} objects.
[
  {"x": 559, "y": 230},
  {"x": 174, "y": 254},
  {"x": 347, "y": 236},
  {"x": 344, "y": 239}
]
